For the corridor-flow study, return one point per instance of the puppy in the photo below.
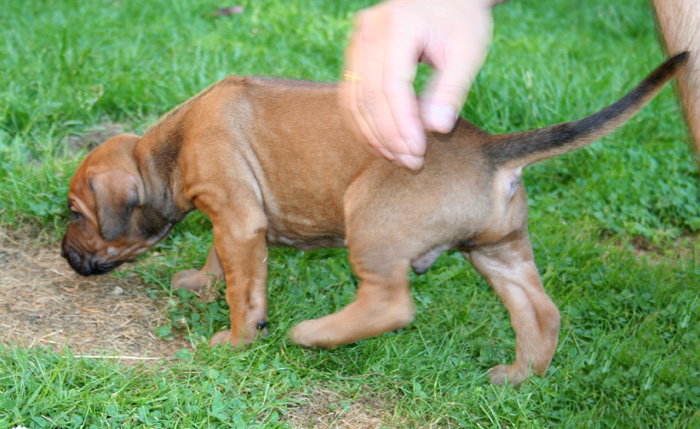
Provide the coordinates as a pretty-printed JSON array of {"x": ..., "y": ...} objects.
[{"x": 273, "y": 164}]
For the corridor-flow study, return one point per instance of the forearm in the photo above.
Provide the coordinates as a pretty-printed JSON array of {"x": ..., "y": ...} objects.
[{"x": 679, "y": 22}]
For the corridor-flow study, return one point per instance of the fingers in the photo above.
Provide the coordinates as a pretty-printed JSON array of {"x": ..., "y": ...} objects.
[
  {"x": 400, "y": 59},
  {"x": 456, "y": 61},
  {"x": 354, "y": 92},
  {"x": 381, "y": 63}
]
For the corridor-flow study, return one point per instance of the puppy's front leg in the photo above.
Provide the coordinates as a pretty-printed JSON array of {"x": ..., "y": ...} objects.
[
  {"x": 509, "y": 268},
  {"x": 240, "y": 241}
]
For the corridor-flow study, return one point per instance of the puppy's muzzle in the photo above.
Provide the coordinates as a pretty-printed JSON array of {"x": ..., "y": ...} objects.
[{"x": 85, "y": 265}]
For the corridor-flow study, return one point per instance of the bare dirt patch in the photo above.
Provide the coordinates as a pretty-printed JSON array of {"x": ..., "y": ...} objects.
[
  {"x": 44, "y": 303},
  {"x": 95, "y": 135},
  {"x": 325, "y": 408},
  {"x": 681, "y": 249}
]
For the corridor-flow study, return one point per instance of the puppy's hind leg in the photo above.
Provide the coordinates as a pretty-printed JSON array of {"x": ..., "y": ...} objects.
[
  {"x": 509, "y": 268},
  {"x": 194, "y": 280},
  {"x": 383, "y": 303},
  {"x": 383, "y": 299}
]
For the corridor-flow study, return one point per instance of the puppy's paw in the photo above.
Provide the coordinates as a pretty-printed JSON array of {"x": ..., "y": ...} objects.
[
  {"x": 192, "y": 280},
  {"x": 225, "y": 337},
  {"x": 222, "y": 338},
  {"x": 310, "y": 334},
  {"x": 502, "y": 374}
]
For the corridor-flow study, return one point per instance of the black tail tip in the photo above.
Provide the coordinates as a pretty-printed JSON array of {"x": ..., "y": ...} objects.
[
  {"x": 679, "y": 60},
  {"x": 668, "y": 70}
]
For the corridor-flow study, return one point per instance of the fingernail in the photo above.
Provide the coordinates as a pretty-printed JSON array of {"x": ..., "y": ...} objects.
[
  {"x": 410, "y": 161},
  {"x": 440, "y": 117}
]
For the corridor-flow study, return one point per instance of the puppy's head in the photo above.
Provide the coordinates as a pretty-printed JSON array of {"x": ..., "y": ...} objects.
[{"x": 110, "y": 220}]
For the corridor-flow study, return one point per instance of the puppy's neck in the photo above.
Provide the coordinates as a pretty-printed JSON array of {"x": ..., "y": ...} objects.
[{"x": 157, "y": 155}]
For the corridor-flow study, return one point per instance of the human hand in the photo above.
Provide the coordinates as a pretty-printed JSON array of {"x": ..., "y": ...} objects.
[{"x": 389, "y": 41}]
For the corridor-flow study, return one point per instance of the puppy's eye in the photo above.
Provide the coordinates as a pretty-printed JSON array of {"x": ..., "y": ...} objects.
[{"x": 74, "y": 215}]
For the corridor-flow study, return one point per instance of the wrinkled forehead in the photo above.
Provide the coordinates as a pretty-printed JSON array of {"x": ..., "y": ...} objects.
[
  {"x": 79, "y": 180},
  {"x": 81, "y": 197},
  {"x": 80, "y": 184},
  {"x": 94, "y": 162}
]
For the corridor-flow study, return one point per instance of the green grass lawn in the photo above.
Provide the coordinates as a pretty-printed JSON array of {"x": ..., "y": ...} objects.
[{"x": 614, "y": 227}]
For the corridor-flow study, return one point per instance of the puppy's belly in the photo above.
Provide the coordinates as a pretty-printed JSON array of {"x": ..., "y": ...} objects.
[
  {"x": 306, "y": 242},
  {"x": 305, "y": 234},
  {"x": 317, "y": 223}
]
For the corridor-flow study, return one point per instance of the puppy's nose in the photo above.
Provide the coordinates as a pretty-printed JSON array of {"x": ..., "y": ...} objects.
[{"x": 80, "y": 265}]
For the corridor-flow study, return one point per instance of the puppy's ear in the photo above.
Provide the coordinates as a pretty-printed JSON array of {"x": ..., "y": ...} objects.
[{"x": 116, "y": 194}]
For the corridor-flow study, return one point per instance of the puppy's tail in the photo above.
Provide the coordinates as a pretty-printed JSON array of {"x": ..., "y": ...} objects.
[{"x": 528, "y": 147}]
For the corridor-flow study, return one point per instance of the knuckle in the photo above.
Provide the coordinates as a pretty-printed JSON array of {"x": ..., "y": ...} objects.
[
  {"x": 372, "y": 99},
  {"x": 392, "y": 87},
  {"x": 396, "y": 15}
]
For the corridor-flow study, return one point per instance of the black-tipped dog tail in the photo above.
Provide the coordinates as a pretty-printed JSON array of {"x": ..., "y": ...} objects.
[{"x": 528, "y": 147}]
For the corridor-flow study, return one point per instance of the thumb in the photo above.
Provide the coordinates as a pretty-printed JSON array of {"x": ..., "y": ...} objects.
[
  {"x": 455, "y": 68},
  {"x": 445, "y": 95}
]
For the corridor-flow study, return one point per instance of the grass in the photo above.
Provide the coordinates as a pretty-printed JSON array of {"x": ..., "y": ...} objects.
[{"x": 628, "y": 347}]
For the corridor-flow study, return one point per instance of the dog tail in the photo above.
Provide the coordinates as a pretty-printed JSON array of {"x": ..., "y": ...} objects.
[{"x": 529, "y": 147}]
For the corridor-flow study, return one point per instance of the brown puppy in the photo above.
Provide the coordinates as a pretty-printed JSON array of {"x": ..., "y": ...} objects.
[{"x": 273, "y": 164}]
